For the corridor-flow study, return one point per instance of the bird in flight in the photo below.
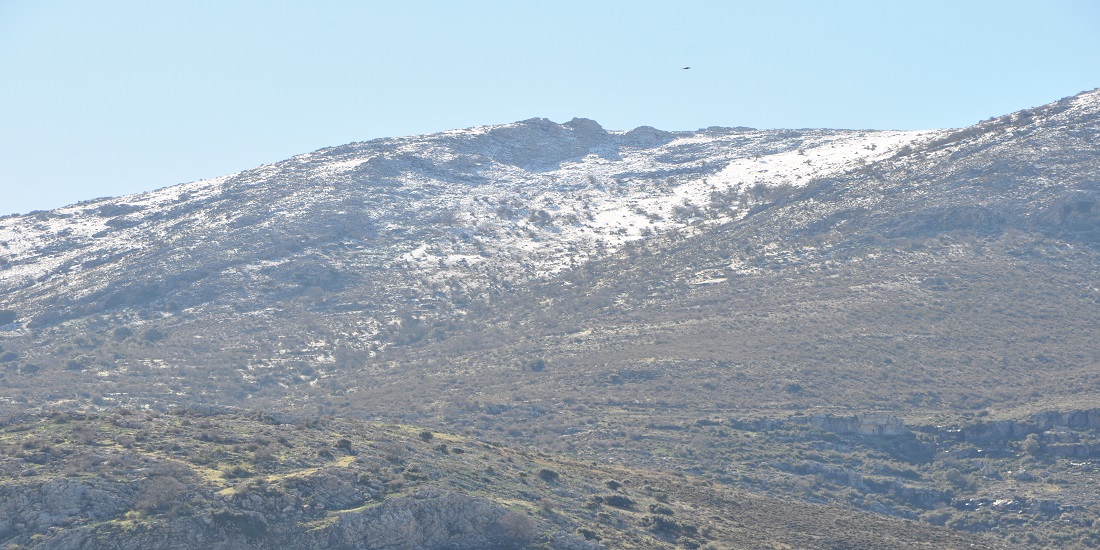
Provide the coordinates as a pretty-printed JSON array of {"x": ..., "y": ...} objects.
[{"x": 686, "y": 68}]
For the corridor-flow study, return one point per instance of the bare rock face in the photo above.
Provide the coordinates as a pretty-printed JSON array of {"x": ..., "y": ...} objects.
[
  {"x": 1002, "y": 430},
  {"x": 429, "y": 520},
  {"x": 879, "y": 424},
  {"x": 26, "y": 509},
  {"x": 538, "y": 144},
  {"x": 420, "y": 521}
]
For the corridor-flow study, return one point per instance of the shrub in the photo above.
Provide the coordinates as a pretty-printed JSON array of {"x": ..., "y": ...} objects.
[
  {"x": 395, "y": 452},
  {"x": 153, "y": 335},
  {"x": 669, "y": 527},
  {"x": 619, "y": 501},
  {"x": 548, "y": 475},
  {"x": 251, "y": 524},
  {"x": 158, "y": 493},
  {"x": 236, "y": 471},
  {"x": 957, "y": 479},
  {"x": 514, "y": 530},
  {"x": 263, "y": 455},
  {"x": 1031, "y": 445},
  {"x": 588, "y": 534}
]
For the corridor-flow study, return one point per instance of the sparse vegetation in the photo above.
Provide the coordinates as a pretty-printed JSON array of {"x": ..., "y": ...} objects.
[{"x": 171, "y": 478}]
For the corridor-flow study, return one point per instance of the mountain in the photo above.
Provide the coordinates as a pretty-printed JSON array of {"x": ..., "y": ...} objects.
[
  {"x": 331, "y": 253},
  {"x": 936, "y": 281},
  {"x": 896, "y": 322}
]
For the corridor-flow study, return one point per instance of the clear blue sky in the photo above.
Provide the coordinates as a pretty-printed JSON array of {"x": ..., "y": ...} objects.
[{"x": 113, "y": 97}]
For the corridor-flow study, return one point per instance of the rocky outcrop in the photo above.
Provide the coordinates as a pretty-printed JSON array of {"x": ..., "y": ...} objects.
[
  {"x": 895, "y": 490},
  {"x": 872, "y": 424},
  {"x": 1083, "y": 419},
  {"x": 423, "y": 520},
  {"x": 429, "y": 520},
  {"x": 1074, "y": 450},
  {"x": 27, "y": 509},
  {"x": 537, "y": 144},
  {"x": 987, "y": 432}
]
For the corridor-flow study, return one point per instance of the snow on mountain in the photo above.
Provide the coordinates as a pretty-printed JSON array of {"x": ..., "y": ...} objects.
[
  {"x": 499, "y": 203},
  {"x": 357, "y": 248},
  {"x": 867, "y": 278},
  {"x": 365, "y": 245}
]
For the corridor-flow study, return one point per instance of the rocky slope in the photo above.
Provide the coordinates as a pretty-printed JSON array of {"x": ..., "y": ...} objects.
[
  {"x": 221, "y": 479},
  {"x": 478, "y": 206},
  {"x": 346, "y": 251},
  {"x": 951, "y": 285},
  {"x": 718, "y": 304},
  {"x": 941, "y": 279}
]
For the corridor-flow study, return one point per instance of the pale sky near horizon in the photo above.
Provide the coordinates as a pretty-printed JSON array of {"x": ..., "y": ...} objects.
[{"x": 115, "y": 97}]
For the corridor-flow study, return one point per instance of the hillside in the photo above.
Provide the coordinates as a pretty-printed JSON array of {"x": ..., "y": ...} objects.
[
  {"x": 935, "y": 282},
  {"x": 889, "y": 326},
  {"x": 222, "y": 479},
  {"x": 322, "y": 261},
  {"x": 951, "y": 288}
]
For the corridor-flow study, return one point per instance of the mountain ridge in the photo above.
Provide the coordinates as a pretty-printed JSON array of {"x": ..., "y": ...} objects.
[{"x": 346, "y": 218}]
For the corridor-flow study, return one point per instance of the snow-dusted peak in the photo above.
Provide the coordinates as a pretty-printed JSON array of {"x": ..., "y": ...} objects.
[
  {"x": 458, "y": 211},
  {"x": 408, "y": 231}
]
